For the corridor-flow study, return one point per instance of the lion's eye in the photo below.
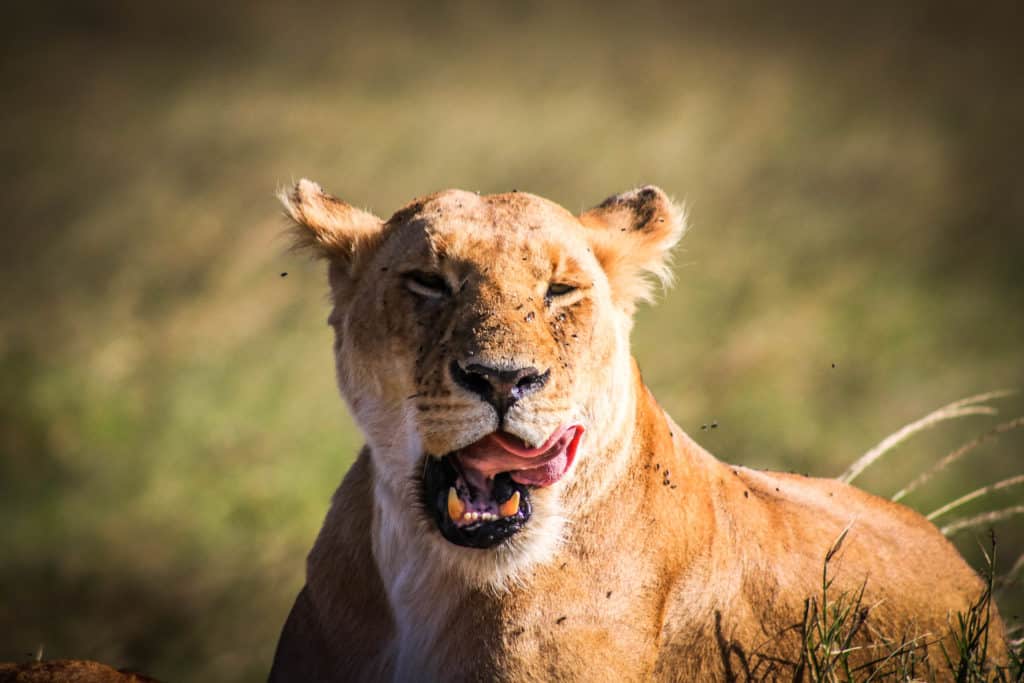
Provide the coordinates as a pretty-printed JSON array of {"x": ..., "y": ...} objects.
[
  {"x": 557, "y": 289},
  {"x": 428, "y": 285}
]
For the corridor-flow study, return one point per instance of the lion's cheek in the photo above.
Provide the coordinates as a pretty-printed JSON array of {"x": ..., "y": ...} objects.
[{"x": 373, "y": 370}]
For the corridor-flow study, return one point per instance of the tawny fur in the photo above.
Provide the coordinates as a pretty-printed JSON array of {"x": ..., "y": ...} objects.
[{"x": 650, "y": 559}]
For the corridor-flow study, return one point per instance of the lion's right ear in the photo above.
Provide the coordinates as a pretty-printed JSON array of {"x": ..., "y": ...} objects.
[{"x": 328, "y": 226}]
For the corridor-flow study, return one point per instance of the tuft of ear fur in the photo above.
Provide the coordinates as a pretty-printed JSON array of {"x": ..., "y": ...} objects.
[
  {"x": 327, "y": 226},
  {"x": 632, "y": 235}
]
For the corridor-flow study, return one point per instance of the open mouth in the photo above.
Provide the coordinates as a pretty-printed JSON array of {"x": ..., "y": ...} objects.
[{"x": 480, "y": 495}]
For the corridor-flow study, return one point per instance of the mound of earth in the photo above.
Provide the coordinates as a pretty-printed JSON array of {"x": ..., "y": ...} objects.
[{"x": 67, "y": 671}]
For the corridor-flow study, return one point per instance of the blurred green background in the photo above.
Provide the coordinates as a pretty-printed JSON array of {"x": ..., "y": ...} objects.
[{"x": 170, "y": 432}]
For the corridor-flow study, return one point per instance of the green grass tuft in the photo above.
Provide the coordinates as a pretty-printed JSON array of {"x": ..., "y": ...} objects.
[{"x": 834, "y": 626}]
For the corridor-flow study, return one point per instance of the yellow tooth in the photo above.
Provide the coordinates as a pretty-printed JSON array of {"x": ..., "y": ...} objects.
[
  {"x": 455, "y": 505},
  {"x": 510, "y": 506}
]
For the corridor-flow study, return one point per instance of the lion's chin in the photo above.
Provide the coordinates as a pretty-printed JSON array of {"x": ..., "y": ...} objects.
[{"x": 480, "y": 495}]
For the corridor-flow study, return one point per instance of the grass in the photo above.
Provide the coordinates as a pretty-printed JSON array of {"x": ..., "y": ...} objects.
[
  {"x": 832, "y": 623},
  {"x": 170, "y": 433},
  {"x": 968, "y": 659},
  {"x": 830, "y": 626},
  {"x": 972, "y": 405},
  {"x": 956, "y": 455},
  {"x": 961, "y": 408}
]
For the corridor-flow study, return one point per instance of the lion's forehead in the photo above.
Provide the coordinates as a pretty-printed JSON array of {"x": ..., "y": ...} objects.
[
  {"x": 515, "y": 230},
  {"x": 510, "y": 212},
  {"x": 513, "y": 205}
]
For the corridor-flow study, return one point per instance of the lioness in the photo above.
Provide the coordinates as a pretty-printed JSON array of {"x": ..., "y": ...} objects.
[{"x": 523, "y": 509}]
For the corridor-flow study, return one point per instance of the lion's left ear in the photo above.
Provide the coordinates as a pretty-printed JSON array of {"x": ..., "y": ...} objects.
[{"x": 632, "y": 234}]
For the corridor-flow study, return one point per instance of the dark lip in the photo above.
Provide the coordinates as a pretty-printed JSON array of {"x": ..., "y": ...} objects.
[{"x": 439, "y": 474}]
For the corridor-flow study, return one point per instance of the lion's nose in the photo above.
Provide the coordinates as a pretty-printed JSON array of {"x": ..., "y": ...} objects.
[{"x": 499, "y": 387}]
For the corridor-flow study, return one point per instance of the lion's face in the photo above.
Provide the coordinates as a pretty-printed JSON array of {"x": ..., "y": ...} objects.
[
  {"x": 482, "y": 342},
  {"x": 486, "y": 329}
]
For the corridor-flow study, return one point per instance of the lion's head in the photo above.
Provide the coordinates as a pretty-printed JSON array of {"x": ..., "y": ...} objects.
[{"x": 482, "y": 343}]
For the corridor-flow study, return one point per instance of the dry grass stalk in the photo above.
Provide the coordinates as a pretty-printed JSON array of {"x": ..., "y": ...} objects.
[
  {"x": 977, "y": 493},
  {"x": 962, "y": 408},
  {"x": 1005, "y": 583},
  {"x": 957, "y": 454},
  {"x": 984, "y": 518},
  {"x": 838, "y": 543},
  {"x": 1015, "y": 570}
]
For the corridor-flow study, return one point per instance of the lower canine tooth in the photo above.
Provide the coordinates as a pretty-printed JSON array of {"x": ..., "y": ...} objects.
[
  {"x": 510, "y": 506},
  {"x": 455, "y": 505}
]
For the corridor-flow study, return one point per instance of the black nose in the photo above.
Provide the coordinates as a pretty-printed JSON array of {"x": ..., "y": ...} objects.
[{"x": 500, "y": 388}]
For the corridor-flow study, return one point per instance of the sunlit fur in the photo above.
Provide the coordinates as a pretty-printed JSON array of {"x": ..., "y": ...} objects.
[{"x": 648, "y": 559}]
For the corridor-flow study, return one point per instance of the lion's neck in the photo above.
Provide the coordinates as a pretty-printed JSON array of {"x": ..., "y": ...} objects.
[
  {"x": 437, "y": 599},
  {"x": 432, "y": 587}
]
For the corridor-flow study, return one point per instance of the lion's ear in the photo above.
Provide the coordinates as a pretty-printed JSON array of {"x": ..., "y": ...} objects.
[
  {"x": 327, "y": 226},
  {"x": 632, "y": 234}
]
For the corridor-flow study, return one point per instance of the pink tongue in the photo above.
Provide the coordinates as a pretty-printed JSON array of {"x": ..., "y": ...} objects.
[
  {"x": 544, "y": 475},
  {"x": 482, "y": 460}
]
